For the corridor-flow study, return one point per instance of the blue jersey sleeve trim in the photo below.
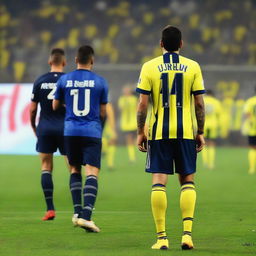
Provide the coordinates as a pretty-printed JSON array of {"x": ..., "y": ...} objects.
[
  {"x": 142, "y": 91},
  {"x": 198, "y": 92}
]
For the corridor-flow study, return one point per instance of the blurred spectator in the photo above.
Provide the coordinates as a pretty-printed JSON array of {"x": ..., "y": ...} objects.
[{"x": 217, "y": 32}]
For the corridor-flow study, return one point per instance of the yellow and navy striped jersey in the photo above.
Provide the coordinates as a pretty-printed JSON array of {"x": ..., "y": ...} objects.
[
  {"x": 128, "y": 107},
  {"x": 212, "y": 112},
  {"x": 171, "y": 80},
  {"x": 250, "y": 111}
]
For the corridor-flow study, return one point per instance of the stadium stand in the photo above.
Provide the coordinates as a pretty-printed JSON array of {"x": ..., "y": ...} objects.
[{"x": 122, "y": 31}]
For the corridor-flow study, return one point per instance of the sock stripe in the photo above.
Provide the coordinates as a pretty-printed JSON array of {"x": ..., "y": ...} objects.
[
  {"x": 158, "y": 185},
  {"x": 161, "y": 232},
  {"x": 162, "y": 237},
  {"x": 89, "y": 194},
  {"x": 187, "y": 183},
  {"x": 91, "y": 177},
  {"x": 46, "y": 172},
  {"x": 158, "y": 190},
  {"x": 48, "y": 197},
  {"x": 92, "y": 187},
  {"x": 77, "y": 205},
  {"x": 76, "y": 188},
  {"x": 188, "y": 218},
  {"x": 187, "y": 188},
  {"x": 187, "y": 233},
  {"x": 88, "y": 208}
]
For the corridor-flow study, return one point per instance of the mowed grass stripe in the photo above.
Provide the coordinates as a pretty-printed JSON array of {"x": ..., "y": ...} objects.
[{"x": 224, "y": 221}]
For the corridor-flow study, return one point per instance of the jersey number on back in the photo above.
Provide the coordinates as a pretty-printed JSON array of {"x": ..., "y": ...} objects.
[
  {"x": 177, "y": 85},
  {"x": 86, "y": 110},
  {"x": 50, "y": 96}
]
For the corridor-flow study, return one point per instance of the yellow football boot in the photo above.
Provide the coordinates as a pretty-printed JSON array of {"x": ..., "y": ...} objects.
[
  {"x": 161, "y": 244},
  {"x": 186, "y": 242}
]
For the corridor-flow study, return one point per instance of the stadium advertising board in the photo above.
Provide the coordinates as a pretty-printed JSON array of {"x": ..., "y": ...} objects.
[{"x": 16, "y": 135}]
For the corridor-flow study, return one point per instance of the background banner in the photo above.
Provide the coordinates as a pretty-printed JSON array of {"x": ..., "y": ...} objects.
[{"x": 16, "y": 135}]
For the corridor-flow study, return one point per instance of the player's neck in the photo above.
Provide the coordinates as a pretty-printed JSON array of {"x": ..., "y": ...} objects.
[
  {"x": 84, "y": 66},
  {"x": 177, "y": 52},
  {"x": 56, "y": 69}
]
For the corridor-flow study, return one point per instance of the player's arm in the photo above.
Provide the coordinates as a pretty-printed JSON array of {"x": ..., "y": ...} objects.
[
  {"x": 144, "y": 89},
  {"x": 58, "y": 96},
  {"x": 56, "y": 104},
  {"x": 200, "y": 118},
  {"x": 141, "y": 121},
  {"x": 33, "y": 112},
  {"x": 103, "y": 112}
]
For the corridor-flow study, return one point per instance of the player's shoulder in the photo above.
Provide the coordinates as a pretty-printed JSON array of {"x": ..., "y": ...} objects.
[
  {"x": 251, "y": 100},
  {"x": 41, "y": 78}
]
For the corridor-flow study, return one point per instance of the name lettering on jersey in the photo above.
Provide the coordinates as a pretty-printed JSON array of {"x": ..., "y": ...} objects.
[
  {"x": 48, "y": 85},
  {"x": 172, "y": 66},
  {"x": 80, "y": 84}
]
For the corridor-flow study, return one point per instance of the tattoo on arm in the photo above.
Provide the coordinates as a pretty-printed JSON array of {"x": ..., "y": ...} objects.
[
  {"x": 200, "y": 117},
  {"x": 141, "y": 119}
]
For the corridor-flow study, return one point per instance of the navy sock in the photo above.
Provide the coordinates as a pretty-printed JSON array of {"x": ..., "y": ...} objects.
[
  {"x": 47, "y": 185},
  {"x": 75, "y": 185},
  {"x": 90, "y": 194}
]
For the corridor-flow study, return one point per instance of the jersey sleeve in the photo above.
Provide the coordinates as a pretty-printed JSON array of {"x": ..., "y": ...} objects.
[
  {"x": 36, "y": 92},
  {"x": 144, "y": 83},
  {"x": 198, "y": 84},
  {"x": 247, "y": 107},
  {"x": 59, "y": 94},
  {"x": 104, "y": 94}
]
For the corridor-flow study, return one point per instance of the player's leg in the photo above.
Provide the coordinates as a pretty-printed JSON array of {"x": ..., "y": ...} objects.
[
  {"x": 159, "y": 206},
  {"x": 130, "y": 142},
  {"x": 91, "y": 160},
  {"x": 185, "y": 163},
  {"x": 187, "y": 206},
  {"x": 46, "y": 146},
  {"x": 252, "y": 154},
  {"x": 74, "y": 156},
  {"x": 160, "y": 164},
  {"x": 47, "y": 184},
  {"x": 75, "y": 185}
]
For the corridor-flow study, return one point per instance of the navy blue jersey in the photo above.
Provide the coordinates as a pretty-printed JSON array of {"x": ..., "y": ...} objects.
[
  {"x": 50, "y": 122},
  {"x": 83, "y": 92}
]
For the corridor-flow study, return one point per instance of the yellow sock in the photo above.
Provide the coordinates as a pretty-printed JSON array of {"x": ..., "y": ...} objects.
[
  {"x": 211, "y": 156},
  {"x": 159, "y": 206},
  {"x": 110, "y": 155},
  {"x": 187, "y": 206},
  {"x": 252, "y": 160},
  {"x": 205, "y": 156},
  {"x": 131, "y": 152}
]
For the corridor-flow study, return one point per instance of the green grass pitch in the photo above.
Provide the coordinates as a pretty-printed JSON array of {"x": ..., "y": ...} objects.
[{"x": 225, "y": 219}]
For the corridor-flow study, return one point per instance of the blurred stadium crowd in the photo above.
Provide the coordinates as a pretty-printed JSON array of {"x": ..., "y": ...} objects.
[{"x": 122, "y": 31}]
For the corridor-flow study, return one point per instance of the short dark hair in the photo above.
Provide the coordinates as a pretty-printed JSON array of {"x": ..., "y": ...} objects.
[
  {"x": 57, "y": 56},
  {"x": 171, "y": 38},
  {"x": 84, "y": 54}
]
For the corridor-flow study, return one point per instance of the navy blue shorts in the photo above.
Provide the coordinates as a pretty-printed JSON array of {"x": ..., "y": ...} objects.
[
  {"x": 163, "y": 153},
  {"x": 83, "y": 150},
  {"x": 49, "y": 144},
  {"x": 252, "y": 140}
]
